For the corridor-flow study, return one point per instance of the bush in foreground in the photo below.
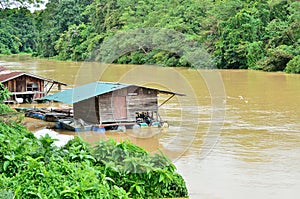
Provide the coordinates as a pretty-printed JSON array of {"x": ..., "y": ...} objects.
[{"x": 35, "y": 168}]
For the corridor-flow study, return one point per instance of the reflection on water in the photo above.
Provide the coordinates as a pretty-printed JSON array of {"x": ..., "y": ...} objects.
[{"x": 258, "y": 151}]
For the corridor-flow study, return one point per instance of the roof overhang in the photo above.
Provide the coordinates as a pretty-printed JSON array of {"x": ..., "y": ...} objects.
[
  {"x": 19, "y": 74},
  {"x": 80, "y": 93}
]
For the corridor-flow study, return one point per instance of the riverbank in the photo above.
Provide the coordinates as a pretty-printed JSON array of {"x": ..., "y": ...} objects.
[
  {"x": 291, "y": 68},
  {"x": 106, "y": 170}
]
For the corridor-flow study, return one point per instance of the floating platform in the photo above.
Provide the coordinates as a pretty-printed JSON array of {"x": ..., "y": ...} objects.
[
  {"x": 63, "y": 119},
  {"x": 49, "y": 115},
  {"x": 78, "y": 125}
]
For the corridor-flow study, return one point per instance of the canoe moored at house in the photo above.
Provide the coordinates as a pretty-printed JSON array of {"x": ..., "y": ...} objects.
[{"x": 114, "y": 104}]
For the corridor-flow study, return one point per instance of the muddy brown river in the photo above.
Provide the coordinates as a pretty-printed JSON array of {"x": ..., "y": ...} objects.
[{"x": 236, "y": 133}]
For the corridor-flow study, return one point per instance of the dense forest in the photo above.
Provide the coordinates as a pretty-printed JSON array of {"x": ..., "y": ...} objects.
[{"x": 237, "y": 34}]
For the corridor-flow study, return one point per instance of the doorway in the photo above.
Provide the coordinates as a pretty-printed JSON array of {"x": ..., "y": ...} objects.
[{"x": 120, "y": 107}]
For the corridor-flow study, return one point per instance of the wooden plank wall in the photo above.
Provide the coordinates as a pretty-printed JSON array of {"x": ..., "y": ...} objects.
[
  {"x": 141, "y": 103},
  {"x": 86, "y": 110},
  {"x": 40, "y": 85},
  {"x": 19, "y": 84},
  {"x": 106, "y": 108},
  {"x": 137, "y": 100}
]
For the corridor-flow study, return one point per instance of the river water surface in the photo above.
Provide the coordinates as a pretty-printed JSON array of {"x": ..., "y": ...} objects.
[{"x": 236, "y": 133}]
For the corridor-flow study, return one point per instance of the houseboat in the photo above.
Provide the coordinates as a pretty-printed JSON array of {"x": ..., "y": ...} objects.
[
  {"x": 114, "y": 105},
  {"x": 26, "y": 87}
]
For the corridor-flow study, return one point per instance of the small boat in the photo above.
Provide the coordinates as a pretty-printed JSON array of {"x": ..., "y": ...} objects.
[
  {"x": 35, "y": 113},
  {"x": 77, "y": 125}
]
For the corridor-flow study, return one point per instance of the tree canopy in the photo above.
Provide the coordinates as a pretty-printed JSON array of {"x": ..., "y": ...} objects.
[
  {"x": 20, "y": 3},
  {"x": 237, "y": 34}
]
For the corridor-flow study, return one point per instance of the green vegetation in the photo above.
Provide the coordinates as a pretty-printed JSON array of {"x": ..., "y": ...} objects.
[
  {"x": 294, "y": 65},
  {"x": 17, "y": 32},
  {"x": 238, "y": 34},
  {"x": 35, "y": 168}
]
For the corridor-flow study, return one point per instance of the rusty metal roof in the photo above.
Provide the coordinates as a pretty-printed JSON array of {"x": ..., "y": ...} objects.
[{"x": 9, "y": 75}]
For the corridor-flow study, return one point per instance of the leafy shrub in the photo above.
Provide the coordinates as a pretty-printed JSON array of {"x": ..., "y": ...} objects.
[
  {"x": 4, "y": 93},
  {"x": 277, "y": 58},
  {"x": 141, "y": 174},
  {"x": 35, "y": 168},
  {"x": 293, "y": 66}
]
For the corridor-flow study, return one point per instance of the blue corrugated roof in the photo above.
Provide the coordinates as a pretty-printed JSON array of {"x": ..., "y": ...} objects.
[
  {"x": 83, "y": 92},
  {"x": 87, "y": 91}
]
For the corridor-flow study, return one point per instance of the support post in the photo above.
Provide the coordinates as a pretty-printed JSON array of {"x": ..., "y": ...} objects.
[
  {"x": 49, "y": 89},
  {"x": 166, "y": 100}
]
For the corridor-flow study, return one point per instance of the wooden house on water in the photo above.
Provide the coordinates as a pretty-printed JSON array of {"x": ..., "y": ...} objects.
[
  {"x": 26, "y": 87},
  {"x": 111, "y": 104}
]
